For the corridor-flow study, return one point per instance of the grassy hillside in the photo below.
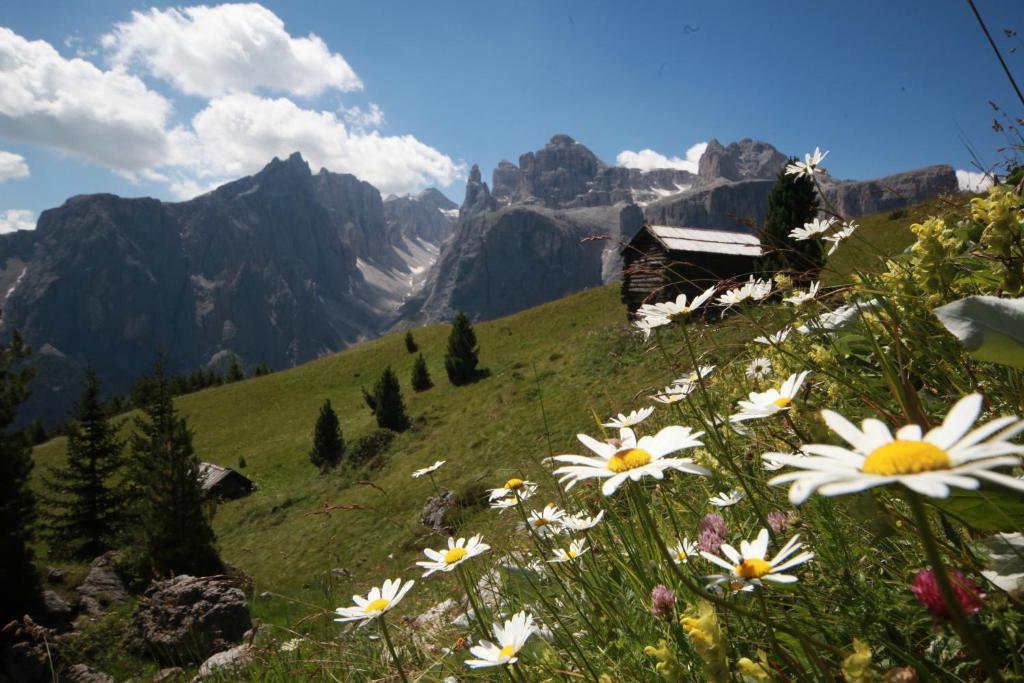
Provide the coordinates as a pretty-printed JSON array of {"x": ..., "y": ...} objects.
[{"x": 553, "y": 369}]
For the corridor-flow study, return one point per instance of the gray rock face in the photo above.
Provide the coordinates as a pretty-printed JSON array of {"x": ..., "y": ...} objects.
[
  {"x": 429, "y": 216},
  {"x": 555, "y": 174},
  {"x": 56, "y": 612},
  {"x": 187, "y": 619},
  {"x": 504, "y": 261},
  {"x": 860, "y": 197},
  {"x": 744, "y": 160},
  {"x": 740, "y": 205},
  {"x": 436, "y": 512},
  {"x": 478, "y": 195}
]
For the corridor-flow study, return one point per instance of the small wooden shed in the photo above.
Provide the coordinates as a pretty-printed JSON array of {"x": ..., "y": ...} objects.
[
  {"x": 661, "y": 261},
  {"x": 223, "y": 483}
]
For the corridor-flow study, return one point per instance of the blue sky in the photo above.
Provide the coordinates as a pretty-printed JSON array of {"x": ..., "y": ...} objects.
[{"x": 886, "y": 86}]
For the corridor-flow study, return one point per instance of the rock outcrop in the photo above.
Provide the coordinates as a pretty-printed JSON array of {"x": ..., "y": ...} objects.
[
  {"x": 102, "y": 587},
  {"x": 80, "y": 673},
  {"x": 187, "y": 619},
  {"x": 429, "y": 216},
  {"x": 860, "y": 197}
]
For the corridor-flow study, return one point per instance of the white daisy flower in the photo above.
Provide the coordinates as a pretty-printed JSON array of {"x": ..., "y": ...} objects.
[
  {"x": 952, "y": 454},
  {"x": 575, "y": 549},
  {"x": 377, "y": 601},
  {"x": 458, "y": 552},
  {"x": 839, "y": 319},
  {"x": 799, "y": 298},
  {"x": 510, "y": 640},
  {"x": 577, "y": 523},
  {"x": 749, "y": 568},
  {"x": 511, "y": 487},
  {"x": 767, "y": 403},
  {"x": 759, "y": 368},
  {"x": 775, "y": 338},
  {"x": 809, "y": 166},
  {"x": 724, "y": 499},
  {"x": 291, "y": 645},
  {"x": 683, "y": 551},
  {"x": 630, "y": 459},
  {"x": 847, "y": 230},
  {"x": 631, "y": 420},
  {"x": 813, "y": 230},
  {"x": 427, "y": 470},
  {"x": 665, "y": 313},
  {"x": 525, "y": 493},
  {"x": 674, "y": 393},
  {"x": 547, "y": 521},
  {"x": 752, "y": 289},
  {"x": 695, "y": 375}
]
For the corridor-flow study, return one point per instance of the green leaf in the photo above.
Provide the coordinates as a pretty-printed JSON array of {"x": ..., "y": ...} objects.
[
  {"x": 990, "y": 328},
  {"x": 987, "y": 510}
]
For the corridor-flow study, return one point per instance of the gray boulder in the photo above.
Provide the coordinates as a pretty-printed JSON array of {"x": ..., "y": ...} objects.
[
  {"x": 224, "y": 662},
  {"x": 56, "y": 612},
  {"x": 187, "y": 619},
  {"x": 80, "y": 673},
  {"x": 436, "y": 513},
  {"x": 102, "y": 586}
]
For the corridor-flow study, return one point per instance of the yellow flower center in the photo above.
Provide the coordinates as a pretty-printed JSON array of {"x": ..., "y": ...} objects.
[
  {"x": 629, "y": 459},
  {"x": 506, "y": 651},
  {"x": 541, "y": 521},
  {"x": 572, "y": 554},
  {"x": 906, "y": 457},
  {"x": 681, "y": 313},
  {"x": 378, "y": 605},
  {"x": 782, "y": 402},
  {"x": 453, "y": 555},
  {"x": 753, "y": 568},
  {"x": 513, "y": 484},
  {"x": 680, "y": 556}
]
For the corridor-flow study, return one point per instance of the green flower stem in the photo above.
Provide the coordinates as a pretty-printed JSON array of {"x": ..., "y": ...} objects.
[
  {"x": 391, "y": 648},
  {"x": 956, "y": 610},
  {"x": 471, "y": 596}
]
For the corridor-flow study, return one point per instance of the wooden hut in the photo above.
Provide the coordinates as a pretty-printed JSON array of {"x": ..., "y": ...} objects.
[
  {"x": 223, "y": 483},
  {"x": 662, "y": 261}
]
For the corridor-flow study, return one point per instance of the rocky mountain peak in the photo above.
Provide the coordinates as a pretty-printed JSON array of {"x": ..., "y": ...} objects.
[
  {"x": 478, "y": 196},
  {"x": 746, "y": 159}
]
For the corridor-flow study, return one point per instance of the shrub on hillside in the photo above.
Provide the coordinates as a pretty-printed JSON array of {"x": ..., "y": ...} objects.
[{"x": 366, "y": 448}]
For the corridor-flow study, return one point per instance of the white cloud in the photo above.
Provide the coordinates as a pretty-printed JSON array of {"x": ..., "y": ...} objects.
[
  {"x": 108, "y": 118},
  {"x": 972, "y": 181},
  {"x": 648, "y": 159},
  {"x": 212, "y": 51},
  {"x": 12, "y": 166},
  {"x": 238, "y": 134},
  {"x": 372, "y": 117},
  {"x": 12, "y": 220}
]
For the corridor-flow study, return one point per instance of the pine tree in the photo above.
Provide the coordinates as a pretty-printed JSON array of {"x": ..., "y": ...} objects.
[
  {"x": 173, "y": 518},
  {"x": 18, "y": 576},
  {"x": 328, "y": 443},
  {"x": 461, "y": 359},
  {"x": 420, "y": 375},
  {"x": 261, "y": 369},
  {"x": 235, "y": 373},
  {"x": 410, "y": 343},
  {"x": 390, "y": 408},
  {"x": 793, "y": 201},
  {"x": 36, "y": 433},
  {"x": 86, "y": 507}
]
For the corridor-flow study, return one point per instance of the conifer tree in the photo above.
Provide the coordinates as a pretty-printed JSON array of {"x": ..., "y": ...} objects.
[
  {"x": 173, "y": 518},
  {"x": 328, "y": 443},
  {"x": 235, "y": 373},
  {"x": 86, "y": 507},
  {"x": 387, "y": 398},
  {"x": 261, "y": 369},
  {"x": 420, "y": 375},
  {"x": 461, "y": 359},
  {"x": 36, "y": 433},
  {"x": 18, "y": 576},
  {"x": 410, "y": 343},
  {"x": 793, "y": 201}
]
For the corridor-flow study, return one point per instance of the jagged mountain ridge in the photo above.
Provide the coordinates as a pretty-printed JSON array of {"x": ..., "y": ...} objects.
[
  {"x": 279, "y": 267},
  {"x": 543, "y": 197}
]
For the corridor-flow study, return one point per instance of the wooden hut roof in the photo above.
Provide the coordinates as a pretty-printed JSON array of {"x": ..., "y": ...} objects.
[
  {"x": 214, "y": 474},
  {"x": 706, "y": 240}
]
